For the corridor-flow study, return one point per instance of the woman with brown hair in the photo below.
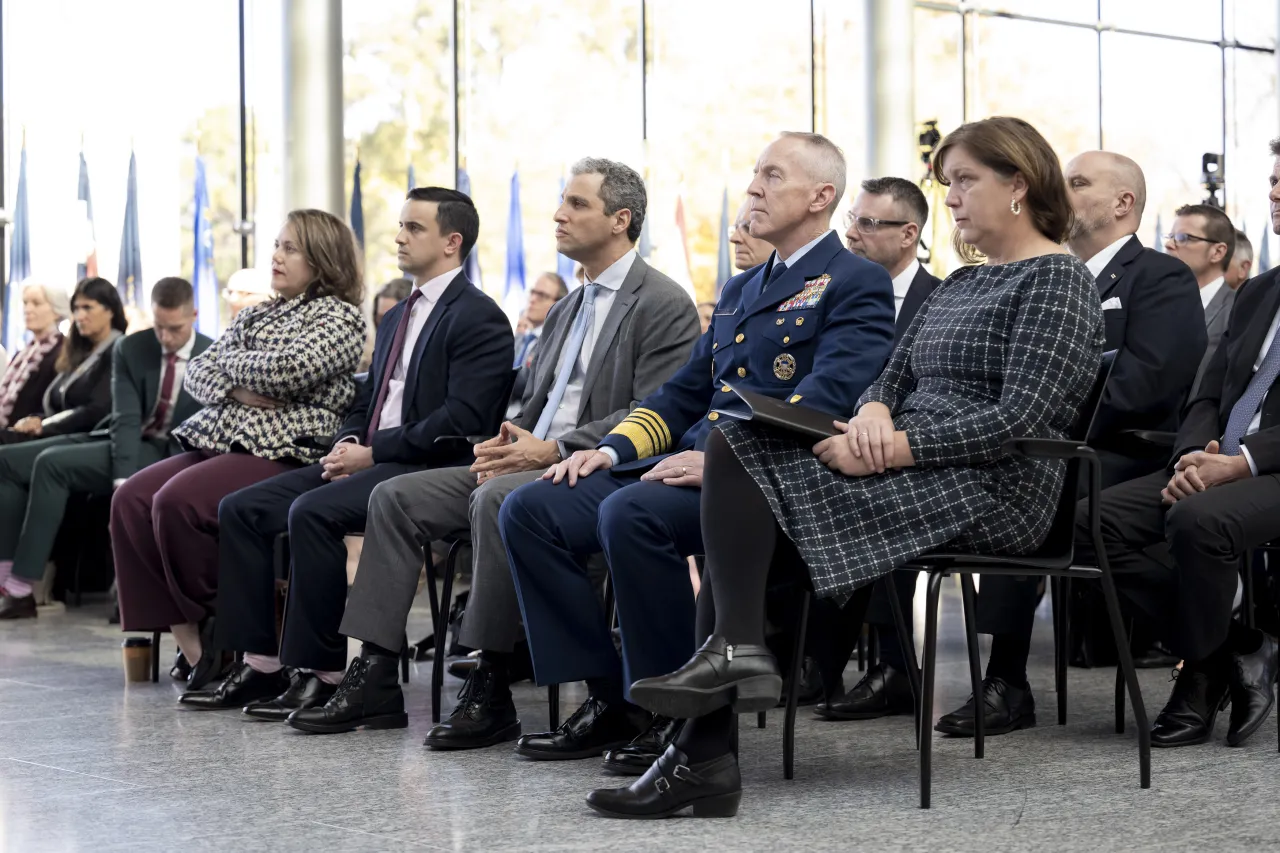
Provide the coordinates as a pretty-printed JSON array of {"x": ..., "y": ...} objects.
[
  {"x": 1006, "y": 348},
  {"x": 284, "y": 370}
]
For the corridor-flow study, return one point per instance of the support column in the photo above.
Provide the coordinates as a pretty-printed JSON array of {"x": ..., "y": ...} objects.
[
  {"x": 313, "y": 105},
  {"x": 891, "y": 124}
]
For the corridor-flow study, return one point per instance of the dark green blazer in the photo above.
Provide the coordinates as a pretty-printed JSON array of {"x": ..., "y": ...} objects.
[{"x": 135, "y": 385}]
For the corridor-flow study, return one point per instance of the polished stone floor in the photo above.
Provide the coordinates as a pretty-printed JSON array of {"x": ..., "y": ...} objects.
[{"x": 90, "y": 763}]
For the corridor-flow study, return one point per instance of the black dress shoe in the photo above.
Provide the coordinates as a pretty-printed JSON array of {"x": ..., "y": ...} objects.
[
  {"x": 14, "y": 607},
  {"x": 718, "y": 674},
  {"x": 1155, "y": 656},
  {"x": 644, "y": 749},
  {"x": 1252, "y": 680},
  {"x": 882, "y": 692},
  {"x": 1193, "y": 707},
  {"x": 594, "y": 728},
  {"x": 1006, "y": 708},
  {"x": 244, "y": 685},
  {"x": 671, "y": 784},
  {"x": 812, "y": 687},
  {"x": 181, "y": 670},
  {"x": 305, "y": 690},
  {"x": 485, "y": 714},
  {"x": 368, "y": 697}
]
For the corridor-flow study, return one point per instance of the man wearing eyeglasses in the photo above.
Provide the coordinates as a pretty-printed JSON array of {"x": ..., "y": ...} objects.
[
  {"x": 549, "y": 289},
  {"x": 1204, "y": 239},
  {"x": 884, "y": 226}
]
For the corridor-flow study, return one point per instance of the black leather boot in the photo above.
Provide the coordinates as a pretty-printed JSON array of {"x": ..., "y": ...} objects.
[
  {"x": 719, "y": 674},
  {"x": 368, "y": 697},
  {"x": 485, "y": 714}
]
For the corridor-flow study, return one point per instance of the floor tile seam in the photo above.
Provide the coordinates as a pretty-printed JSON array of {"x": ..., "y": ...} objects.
[{"x": 74, "y": 772}]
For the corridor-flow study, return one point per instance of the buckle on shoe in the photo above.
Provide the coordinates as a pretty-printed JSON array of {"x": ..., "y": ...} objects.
[
  {"x": 686, "y": 775},
  {"x": 662, "y": 784}
]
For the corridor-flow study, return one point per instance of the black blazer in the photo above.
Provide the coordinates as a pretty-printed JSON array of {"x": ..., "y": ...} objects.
[
  {"x": 922, "y": 285},
  {"x": 1158, "y": 333},
  {"x": 30, "y": 400},
  {"x": 457, "y": 379},
  {"x": 1228, "y": 374},
  {"x": 81, "y": 405}
]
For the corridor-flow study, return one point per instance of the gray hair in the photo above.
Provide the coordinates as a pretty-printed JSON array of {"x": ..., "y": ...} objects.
[
  {"x": 825, "y": 161},
  {"x": 622, "y": 188},
  {"x": 1244, "y": 248},
  {"x": 58, "y": 298}
]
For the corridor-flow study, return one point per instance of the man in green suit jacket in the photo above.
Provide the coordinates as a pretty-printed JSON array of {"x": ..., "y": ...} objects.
[{"x": 147, "y": 400}]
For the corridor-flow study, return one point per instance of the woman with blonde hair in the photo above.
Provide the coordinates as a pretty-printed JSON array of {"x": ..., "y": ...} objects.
[
  {"x": 1008, "y": 347},
  {"x": 283, "y": 371},
  {"x": 32, "y": 368}
]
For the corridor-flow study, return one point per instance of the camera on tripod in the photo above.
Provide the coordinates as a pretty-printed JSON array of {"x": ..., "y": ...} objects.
[{"x": 1213, "y": 179}]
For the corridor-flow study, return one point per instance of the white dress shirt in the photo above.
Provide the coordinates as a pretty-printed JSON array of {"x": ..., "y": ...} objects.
[
  {"x": 795, "y": 256},
  {"x": 1099, "y": 262},
  {"x": 432, "y": 289},
  {"x": 179, "y": 373},
  {"x": 569, "y": 411},
  {"x": 902, "y": 284},
  {"x": 1210, "y": 290}
]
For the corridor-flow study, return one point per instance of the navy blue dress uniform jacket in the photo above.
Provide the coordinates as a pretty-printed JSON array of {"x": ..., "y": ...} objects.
[
  {"x": 819, "y": 334},
  {"x": 457, "y": 379}
]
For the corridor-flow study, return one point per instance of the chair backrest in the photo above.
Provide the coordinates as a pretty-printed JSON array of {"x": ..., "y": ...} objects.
[{"x": 1061, "y": 539}]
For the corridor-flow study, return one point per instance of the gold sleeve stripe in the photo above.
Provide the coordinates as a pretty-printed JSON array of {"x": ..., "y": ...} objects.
[
  {"x": 639, "y": 436},
  {"x": 657, "y": 424},
  {"x": 646, "y": 431}
]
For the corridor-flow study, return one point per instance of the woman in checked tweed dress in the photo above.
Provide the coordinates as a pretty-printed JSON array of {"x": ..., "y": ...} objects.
[
  {"x": 285, "y": 369},
  {"x": 1010, "y": 348}
]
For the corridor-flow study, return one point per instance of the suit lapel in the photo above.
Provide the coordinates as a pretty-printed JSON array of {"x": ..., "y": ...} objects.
[
  {"x": 793, "y": 279},
  {"x": 438, "y": 311},
  {"x": 151, "y": 379},
  {"x": 1116, "y": 269},
  {"x": 549, "y": 347},
  {"x": 1214, "y": 308},
  {"x": 921, "y": 286},
  {"x": 623, "y": 301}
]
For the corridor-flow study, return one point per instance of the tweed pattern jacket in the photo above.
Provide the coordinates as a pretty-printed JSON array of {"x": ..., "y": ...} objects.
[
  {"x": 301, "y": 352},
  {"x": 997, "y": 352}
]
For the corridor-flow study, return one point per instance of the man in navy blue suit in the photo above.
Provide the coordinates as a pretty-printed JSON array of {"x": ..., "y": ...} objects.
[
  {"x": 813, "y": 323},
  {"x": 441, "y": 367}
]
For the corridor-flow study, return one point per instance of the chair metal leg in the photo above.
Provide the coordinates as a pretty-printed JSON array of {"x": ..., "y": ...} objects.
[
  {"x": 553, "y": 706},
  {"x": 793, "y": 691},
  {"x": 862, "y": 649},
  {"x": 926, "y": 693},
  {"x": 1120, "y": 685},
  {"x": 761, "y": 719},
  {"x": 1246, "y": 603},
  {"x": 1060, "y": 593},
  {"x": 909, "y": 652},
  {"x": 1130, "y": 677},
  {"x": 975, "y": 665},
  {"x": 441, "y": 628},
  {"x": 155, "y": 657},
  {"x": 404, "y": 659},
  {"x": 873, "y": 646}
]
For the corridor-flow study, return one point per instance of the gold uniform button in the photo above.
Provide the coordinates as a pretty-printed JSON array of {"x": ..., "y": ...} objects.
[
  {"x": 781, "y": 321},
  {"x": 714, "y": 416},
  {"x": 715, "y": 346},
  {"x": 796, "y": 398},
  {"x": 725, "y": 388},
  {"x": 739, "y": 339},
  {"x": 742, "y": 372},
  {"x": 799, "y": 321},
  {"x": 786, "y": 339}
]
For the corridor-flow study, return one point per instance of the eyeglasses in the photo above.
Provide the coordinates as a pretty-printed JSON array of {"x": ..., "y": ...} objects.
[
  {"x": 867, "y": 225},
  {"x": 1182, "y": 239}
]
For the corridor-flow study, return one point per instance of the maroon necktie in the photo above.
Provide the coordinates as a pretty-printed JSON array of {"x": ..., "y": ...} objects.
[
  {"x": 156, "y": 427},
  {"x": 393, "y": 358}
]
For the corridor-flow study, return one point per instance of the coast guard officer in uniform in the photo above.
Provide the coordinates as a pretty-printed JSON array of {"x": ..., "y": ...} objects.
[{"x": 814, "y": 323}]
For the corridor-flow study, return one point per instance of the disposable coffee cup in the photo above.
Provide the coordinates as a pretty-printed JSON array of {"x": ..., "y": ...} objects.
[{"x": 137, "y": 658}]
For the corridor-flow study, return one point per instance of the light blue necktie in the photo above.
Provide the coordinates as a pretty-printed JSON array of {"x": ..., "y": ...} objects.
[
  {"x": 1250, "y": 401},
  {"x": 569, "y": 358}
]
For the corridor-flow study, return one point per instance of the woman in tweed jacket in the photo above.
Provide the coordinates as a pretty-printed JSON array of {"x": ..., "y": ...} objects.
[
  {"x": 1009, "y": 348},
  {"x": 284, "y": 370}
]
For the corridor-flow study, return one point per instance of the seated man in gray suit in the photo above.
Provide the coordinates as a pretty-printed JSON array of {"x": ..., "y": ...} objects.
[
  {"x": 605, "y": 346},
  {"x": 1204, "y": 239}
]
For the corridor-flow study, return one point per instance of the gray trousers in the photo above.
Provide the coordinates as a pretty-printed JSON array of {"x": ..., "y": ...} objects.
[{"x": 406, "y": 513}]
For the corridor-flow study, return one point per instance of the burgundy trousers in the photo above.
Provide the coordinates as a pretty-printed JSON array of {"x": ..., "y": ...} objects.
[{"x": 164, "y": 534}]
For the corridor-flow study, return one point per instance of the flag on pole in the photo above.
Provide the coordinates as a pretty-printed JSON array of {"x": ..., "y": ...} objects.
[
  {"x": 88, "y": 268},
  {"x": 19, "y": 258},
  {"x": 357, "y": 207},
  {"x": 129, "y": 282},
  {"x": 724, "y": 269},
  {"x": 564, "y": 266},
  {"x": 684, "y": 237},
  {"x": 1159, "y": 243},
  {"x": 513, "y": 298},
  {"x": 204, "y": 280},
  {"x": 1264, "y": 252},
  {"x": 470, "y": 266},
  {"x": 413, "y": 179}
]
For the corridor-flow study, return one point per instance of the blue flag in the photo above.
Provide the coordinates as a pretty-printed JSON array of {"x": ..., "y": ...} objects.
[
  {"x": 564, "y": 265},
  {"x": 1158, "y": 245},
  {"x": 513, "y": 298},
  {"x": 724, "y": 269},
  {"x": 470, "y": 266},
  {"x": 1264, "y": 252},
  {"x": 19, "y": 260},
  {"x": 204, "y": 280},
  {"x": 357, "y": 207},
  {"x": 89, "y": 268},
  {"x": 413, "y": 179},
  {"x": 129, "y": 282}
]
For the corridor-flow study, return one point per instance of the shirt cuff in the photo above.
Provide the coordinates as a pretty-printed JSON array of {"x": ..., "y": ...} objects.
[
  {"x": 1244, "y": 451},
  {"x": 610, "y": 452},
  {"x": 117, "y": 483},
  {"x": 347, "y": 439},
  {"x": 564, "y": 451}
]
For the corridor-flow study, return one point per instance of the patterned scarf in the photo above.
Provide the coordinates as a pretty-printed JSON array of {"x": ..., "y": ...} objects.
[{"x": 24, "y": 365}]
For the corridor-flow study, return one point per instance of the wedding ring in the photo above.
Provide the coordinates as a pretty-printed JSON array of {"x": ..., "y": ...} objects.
[
  {"x": 863, "y": 434},
  {"x": 683, "y": 470}
]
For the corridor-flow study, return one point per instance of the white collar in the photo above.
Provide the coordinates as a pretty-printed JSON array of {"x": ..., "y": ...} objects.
[
  {"x": 616, "y": 273},
  {"x": 433, "y": 288},
  {"x": 1099, "y": 262},
  {"x": 796, "y": 255},
  {"x": 184, "y": 351},
  {"x": 1210, "y": 290},
  {"x": 902, "y": 281}
]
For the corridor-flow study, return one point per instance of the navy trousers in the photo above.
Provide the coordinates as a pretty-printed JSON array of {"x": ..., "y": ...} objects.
[{"x": 646, "y": 531}]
